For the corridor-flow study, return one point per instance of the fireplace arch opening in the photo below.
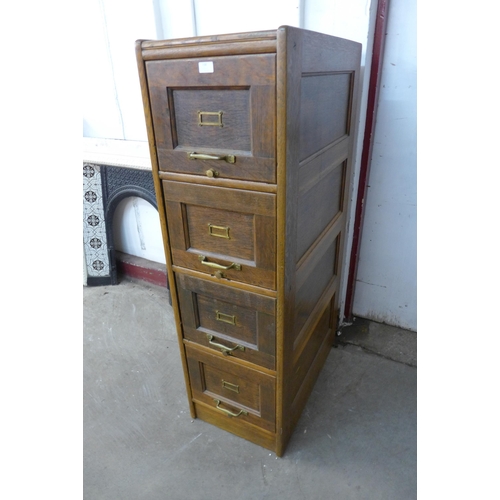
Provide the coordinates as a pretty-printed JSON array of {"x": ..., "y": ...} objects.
[{"x": 134, "y": 235}]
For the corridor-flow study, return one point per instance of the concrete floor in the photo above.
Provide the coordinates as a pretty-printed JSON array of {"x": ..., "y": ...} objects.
[{"x": 355, "y": 440}]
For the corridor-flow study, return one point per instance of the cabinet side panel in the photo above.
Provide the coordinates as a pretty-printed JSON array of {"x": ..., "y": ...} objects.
[
  {"x": 328, "y": 117},
  {"x": 326, "y": 54},
  {"x": 319, "y": 120}
]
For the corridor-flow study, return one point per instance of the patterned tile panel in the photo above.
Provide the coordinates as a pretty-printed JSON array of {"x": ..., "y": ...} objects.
[{"x": 94, "y": 227}]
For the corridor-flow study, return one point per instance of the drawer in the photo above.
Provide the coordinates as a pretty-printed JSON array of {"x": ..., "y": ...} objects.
[
  {"x": 233, "y": 390},
  {"x": 240, "y": 324},
  {"x": 223, "y": 107},
  {"x": 227, "y": 233}
]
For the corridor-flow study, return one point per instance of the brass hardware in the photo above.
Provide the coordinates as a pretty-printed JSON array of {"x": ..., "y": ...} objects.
[
  {"x": 217, "y": 230},
  {"x": 212, "y": 173},
  {"x": 219, "y": 274},
  {"x": 225, "y": 318},
  {"x": 202, "y": 258},
  {"x": 231, "y": 387},
  {"x": 225, "y": 350},
  {"x": 230, "y": 413},
  {"x": 217, "y": 123},
  {"x": 203, "y": 156}
]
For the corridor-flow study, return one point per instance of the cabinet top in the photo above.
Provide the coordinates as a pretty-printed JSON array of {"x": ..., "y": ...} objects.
[
  {"x": 252, "y": 36},
  {"x": 211, "y": 45},
  {"x": 253, "y": 42}
]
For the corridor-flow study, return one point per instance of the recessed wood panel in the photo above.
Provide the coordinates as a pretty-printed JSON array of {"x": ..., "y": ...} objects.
[
  {"x": 196, "y": 121},
  {"x": 220, "y": 231},
  {"x": 229, "y": 386},
  {"x": 313, "y": 278},
  {"x": 226, "y": 319},
  {"x": 318, "y": 204},
  {"x": 306, "y": 358},
  {"x": 324, "y": 110}
]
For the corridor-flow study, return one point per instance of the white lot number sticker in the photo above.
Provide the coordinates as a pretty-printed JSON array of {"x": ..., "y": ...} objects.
[{"x": 206, "y": 67}]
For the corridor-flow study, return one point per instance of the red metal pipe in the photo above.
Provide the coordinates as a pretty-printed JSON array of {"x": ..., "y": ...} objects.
[{"x": 371, "y": 113}]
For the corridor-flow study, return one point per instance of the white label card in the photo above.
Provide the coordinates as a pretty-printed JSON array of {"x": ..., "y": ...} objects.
[{"x": 206, "y": 67}]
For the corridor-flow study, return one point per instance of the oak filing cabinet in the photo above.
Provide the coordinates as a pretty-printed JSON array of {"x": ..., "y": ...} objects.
[{"x": 251, "y": 138}]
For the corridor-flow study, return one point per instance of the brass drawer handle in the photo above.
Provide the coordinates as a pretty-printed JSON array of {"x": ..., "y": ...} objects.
[
  {"x": 225, "y": 350},
  {"x": 202, "y": 156},
  {"x": 230, "y": 413},
  {"x": 214, "y": 265}
]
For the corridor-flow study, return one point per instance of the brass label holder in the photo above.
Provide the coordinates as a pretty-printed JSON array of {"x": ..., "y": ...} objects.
[
  {"x": 205, "y": 122},
  {"x": 231, "y": 387},
  {"x": 219, "y": 231},
  {"x": 225, "y": 318}
]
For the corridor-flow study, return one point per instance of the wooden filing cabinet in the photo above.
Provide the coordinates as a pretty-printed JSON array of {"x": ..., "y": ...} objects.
[{"x": 251, "y": 138}]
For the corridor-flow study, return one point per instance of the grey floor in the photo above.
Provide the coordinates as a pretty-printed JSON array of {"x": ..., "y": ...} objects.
[{"x": 355, "y": 440}]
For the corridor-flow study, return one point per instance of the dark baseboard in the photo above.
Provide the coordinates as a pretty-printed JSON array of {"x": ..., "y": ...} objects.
[{"x": 141, "y": 269}]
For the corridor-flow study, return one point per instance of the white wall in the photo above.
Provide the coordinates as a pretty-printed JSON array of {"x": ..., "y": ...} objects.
[
  {"x": 228, "y": 16},
  {"x": 386, "y": 285},
  {"x": 112, "y": 106}
]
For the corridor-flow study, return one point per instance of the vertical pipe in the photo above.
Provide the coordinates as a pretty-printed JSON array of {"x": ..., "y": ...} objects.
[
  {"x": 158, "y": 20},
  {"x": 193, "y": 12},
  {"x": 371, "y": 113},
  {"x": 302, "y": 15}
]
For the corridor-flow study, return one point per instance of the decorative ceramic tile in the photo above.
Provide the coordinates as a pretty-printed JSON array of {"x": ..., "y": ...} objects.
[{"x": 94, "y": 226}]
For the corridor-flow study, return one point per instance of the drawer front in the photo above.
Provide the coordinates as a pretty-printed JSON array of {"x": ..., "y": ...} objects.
[
  {"x": 235, "y": 391},
  {"x": 237, "y": 323},
  {"x": 223, "y": 107},
  {"x": 227, "y": 233}
]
